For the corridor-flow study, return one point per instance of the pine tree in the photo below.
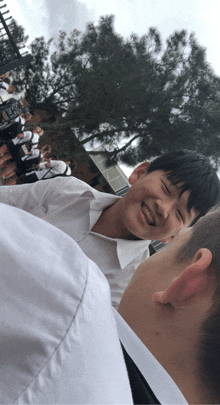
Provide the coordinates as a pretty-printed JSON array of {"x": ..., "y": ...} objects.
[{"x": 130, "y": 95}]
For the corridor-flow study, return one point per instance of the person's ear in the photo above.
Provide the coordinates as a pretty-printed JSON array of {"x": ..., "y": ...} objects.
[
  {"x": 139, "y": 171},
  {"x": 191, "y": 285}
]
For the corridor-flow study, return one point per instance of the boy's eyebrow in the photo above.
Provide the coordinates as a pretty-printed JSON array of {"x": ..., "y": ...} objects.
[
  {"x": 181, "y": 191},
  {"x": 172, "y": 184}
]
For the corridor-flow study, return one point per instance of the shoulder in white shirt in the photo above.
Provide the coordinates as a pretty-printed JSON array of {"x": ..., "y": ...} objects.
[
  {"x": 56, "y": 167},
  {"x": 20, "y": 119},
  {"x": 58, "y": 337},
  {"x": 74, "y": 207},
  {"x": 27, "y": 136}
]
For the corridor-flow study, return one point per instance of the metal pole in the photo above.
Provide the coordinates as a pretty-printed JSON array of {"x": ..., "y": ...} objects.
[{"x": 9, "y": 35}]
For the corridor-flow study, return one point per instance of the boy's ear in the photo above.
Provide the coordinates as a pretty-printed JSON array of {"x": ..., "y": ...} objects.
[
  {"x": 138, "y": 172},
  {"x": 192, "y": 285}
]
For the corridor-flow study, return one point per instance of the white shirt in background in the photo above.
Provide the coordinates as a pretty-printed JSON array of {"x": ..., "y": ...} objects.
[
  {"x": 35, "y": 153},
  {"x": 27, "y": 137},
  {"x": 3, "y": 87},
  {"x": 57, "y": 167},
  {"x": 20, "y": 119}
]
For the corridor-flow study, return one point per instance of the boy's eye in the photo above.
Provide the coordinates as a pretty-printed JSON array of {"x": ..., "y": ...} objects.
[
  {"x": 180, "y": 215},
  {"x": 166, "y": 188}
]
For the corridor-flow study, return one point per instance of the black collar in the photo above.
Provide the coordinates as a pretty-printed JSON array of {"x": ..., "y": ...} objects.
[{"x": 141, "y": 391}]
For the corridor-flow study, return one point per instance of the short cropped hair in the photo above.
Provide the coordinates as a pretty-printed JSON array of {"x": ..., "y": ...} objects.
[
  {"x": 38, "y": 130},
  {"x": 7, "y": 80},
  {"x": 23, "y": 102},
  {"x": 71, "y": 162},
  {"x": 27, "y": 116},
  {"x": 46, "y": 148},
  {"x": 206, "y": 234},
  {"x": 195, "y": 173}
]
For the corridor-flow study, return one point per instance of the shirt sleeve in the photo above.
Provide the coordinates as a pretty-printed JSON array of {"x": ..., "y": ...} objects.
[
  {"x": 37, "y": 197},
  {"x": 27, "y": 135},
  {"x": 35, "y": 152},
  {"x": 42, "y": 165},
  {"x": 54, "y": 163},
  {"x": 57, "y": 163},
  {"x": 20, "y": 119},
  {"x": 3, "y": 87},
  {"x": 57, "y": 166}
]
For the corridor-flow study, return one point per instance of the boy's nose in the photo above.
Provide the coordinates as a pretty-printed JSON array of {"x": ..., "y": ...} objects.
[{"x": 164, "y": 207}]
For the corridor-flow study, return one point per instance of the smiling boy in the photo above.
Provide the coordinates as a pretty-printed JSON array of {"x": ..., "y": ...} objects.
[
  {"x": 166, "y": 195},
  {"x": 154, "y": 208}
]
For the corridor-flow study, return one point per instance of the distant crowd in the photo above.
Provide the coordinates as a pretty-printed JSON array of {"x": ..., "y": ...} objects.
[{"x": 21, "y": 159}]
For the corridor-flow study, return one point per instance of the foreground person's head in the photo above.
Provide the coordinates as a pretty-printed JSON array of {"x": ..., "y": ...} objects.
[
  {"x": 168, "y": 194},
  {"x": 173, "y": 304}
]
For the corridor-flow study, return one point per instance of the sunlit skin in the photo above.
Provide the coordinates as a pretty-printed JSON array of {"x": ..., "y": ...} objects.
[
  {"x": 152, "y": 209},
  {"x": 165, "y": 304}
]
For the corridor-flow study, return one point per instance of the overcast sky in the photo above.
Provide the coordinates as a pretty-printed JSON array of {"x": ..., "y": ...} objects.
[{"x": 47, "y": 17}]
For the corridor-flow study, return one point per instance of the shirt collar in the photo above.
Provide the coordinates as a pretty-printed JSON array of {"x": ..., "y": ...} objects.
[
  {"x": 163, "y": 386},
  {"x": 128, "y": 250},
  {"x": 97, "y": 205}
]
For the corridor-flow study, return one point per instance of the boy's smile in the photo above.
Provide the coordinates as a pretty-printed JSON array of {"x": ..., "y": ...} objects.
[{"x": 149, "y": 217}]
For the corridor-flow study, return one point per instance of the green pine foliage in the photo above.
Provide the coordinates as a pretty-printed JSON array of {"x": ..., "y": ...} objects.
[{"x": 135, "y": 96}]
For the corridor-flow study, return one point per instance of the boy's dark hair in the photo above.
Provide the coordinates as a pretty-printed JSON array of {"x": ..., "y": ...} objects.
[
  {"x": 195, "y": 173},
  {"x": 7, "y": 80},
  {"x": 71, "y": 162}
]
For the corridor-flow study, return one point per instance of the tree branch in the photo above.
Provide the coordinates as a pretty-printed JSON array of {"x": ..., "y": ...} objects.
[
  {"x": 112, "y": 153},
  {"x": 100, "y": 135}
]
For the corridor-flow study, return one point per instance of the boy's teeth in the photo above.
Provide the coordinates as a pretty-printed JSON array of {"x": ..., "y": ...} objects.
[{"x": 148, "y": 214}]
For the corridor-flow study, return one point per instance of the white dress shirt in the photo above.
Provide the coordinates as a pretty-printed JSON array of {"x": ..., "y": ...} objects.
[
  {"x": 3, "y": 87},
  {"x": 20, "y": 119},
  {"x": 162, "y": 385},
  {"x": 35, "y": 153},
  {"x": 58, "y": 337},
  {"x": 74, "y": 207},
  {"x": 56, "y": 167},
  {"x": 27, "y": 137}
]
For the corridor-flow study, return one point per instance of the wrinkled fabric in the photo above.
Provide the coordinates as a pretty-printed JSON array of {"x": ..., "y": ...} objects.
[
  {"x": 74, "y": 207},
  {"x": 58, "y": 338}
]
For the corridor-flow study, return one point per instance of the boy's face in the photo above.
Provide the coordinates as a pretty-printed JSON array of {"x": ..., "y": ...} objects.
[{"x": 154, "y": 209}]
